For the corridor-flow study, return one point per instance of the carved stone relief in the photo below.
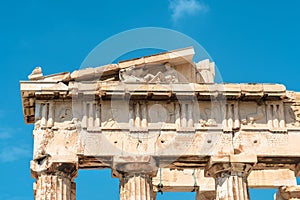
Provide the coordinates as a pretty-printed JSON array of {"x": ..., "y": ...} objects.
[
  {"x": 176, "y": 114},
  {"x": 206, "y": 70},
  {"x": 251, "y": 119},
  {"x": 64, "y": 118},
  {"x": 208, "y": 117},
  {"x": 153, "y": 115},
  {"x": 110, "y": 123},
  {"x": 158, "y": 113},
  {"x": 294, "y": 114},
  {"x": 65, "y": 114},
  {"x": 114, "y": 115},
  {"x": 150, "y": 74},
  {"x": 253, "y": 114},
  {"x": 210, "y": 114}
]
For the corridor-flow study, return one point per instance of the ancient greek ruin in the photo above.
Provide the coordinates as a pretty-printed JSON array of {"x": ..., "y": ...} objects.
[{"x": 162, "y": 124}]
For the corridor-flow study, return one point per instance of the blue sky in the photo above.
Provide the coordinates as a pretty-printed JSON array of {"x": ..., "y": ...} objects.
[{"x": 250, "y": 41}]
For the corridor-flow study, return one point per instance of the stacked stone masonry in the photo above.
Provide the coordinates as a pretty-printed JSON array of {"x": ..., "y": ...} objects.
[{"x": 162, "y": 125}]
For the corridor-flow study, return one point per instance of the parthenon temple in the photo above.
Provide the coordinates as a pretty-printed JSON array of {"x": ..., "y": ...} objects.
[{"x": 162, "y": 124}]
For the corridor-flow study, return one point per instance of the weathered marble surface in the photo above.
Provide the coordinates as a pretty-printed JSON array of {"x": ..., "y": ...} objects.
[{"x": 161, "y": 111}]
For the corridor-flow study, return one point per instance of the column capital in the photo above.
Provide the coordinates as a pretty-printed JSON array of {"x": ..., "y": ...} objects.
[
  {"x": 136, "y": 186},
  {"x": 231, "y": 165},
  {"x": 69, "y": 170},
  {"x": 288, "y": 193},
  {"x": 134, "y": 165},
  {"x": 54, "y": 180},
  {"x": 122, "y": 174},
  {"x": 230, "y": 173},
  {"x": 135, "y": 174},
  {"x": 232, "y": 169}
]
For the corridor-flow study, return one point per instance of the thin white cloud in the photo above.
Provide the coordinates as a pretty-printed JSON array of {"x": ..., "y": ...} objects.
[
  {"x": 12, "y": 153},
  {"x": 181, "y": 8}
]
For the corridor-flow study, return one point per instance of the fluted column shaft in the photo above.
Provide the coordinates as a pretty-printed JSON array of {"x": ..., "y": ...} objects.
[
  {"x": 231, "y": 186},
  {"x": 54, "y": 187},
  {"x": 136, "y": 187},
  {"x": 231, "y": 180}
]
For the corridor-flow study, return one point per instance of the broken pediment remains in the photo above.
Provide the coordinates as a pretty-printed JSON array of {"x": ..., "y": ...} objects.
[
  {"x": 162, "y": 124},
  {"x": 167, "y": 67}
]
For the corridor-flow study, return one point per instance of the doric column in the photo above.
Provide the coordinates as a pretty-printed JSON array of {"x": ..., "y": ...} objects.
[
  {"x": 52, "y": 187},
  {"x": 136, "y": 187},
  {"x": 135, "y": 174},
  {"x": 154, "y": 195},
  {"x": 288, "y": 193},
  {"x": 73, "y": 191},
  {"x": 231, "y": 180},
  {"x": 55, "y": 183}
]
